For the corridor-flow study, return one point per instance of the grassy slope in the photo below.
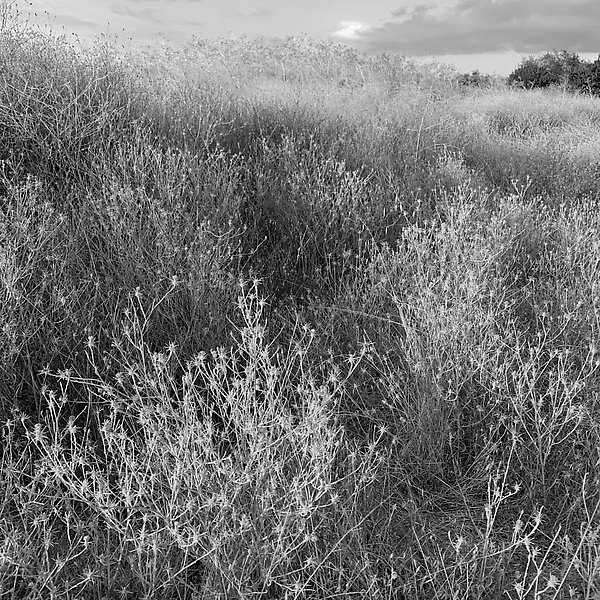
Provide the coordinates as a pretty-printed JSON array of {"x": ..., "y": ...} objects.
[{"x": 400, "y": 400}]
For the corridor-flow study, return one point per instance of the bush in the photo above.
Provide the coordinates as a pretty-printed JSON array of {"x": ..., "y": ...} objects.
[
  {"x": 561, "y": 68},
  {"x": 588, "y": 79},
  {"x": 389, "y": 413},
  {"x": 475, "y": 78}
]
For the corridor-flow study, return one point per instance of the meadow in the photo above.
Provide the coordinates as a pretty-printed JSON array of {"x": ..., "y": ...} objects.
[{"x": 279, "y": 319}]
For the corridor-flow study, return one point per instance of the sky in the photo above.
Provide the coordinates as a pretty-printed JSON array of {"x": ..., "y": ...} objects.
[{"x": 489, "y": 35}]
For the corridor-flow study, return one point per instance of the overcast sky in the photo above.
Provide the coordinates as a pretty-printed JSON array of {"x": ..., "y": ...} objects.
[{"x": 489, "y": 35}]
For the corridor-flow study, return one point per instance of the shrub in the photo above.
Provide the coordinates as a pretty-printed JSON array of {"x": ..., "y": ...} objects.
[
  {"x": 588, "y": 78},
  {"x": 377, "y": 436},
  {"x": 475, "y": 79},
  {"x": 553, "y": 68}
]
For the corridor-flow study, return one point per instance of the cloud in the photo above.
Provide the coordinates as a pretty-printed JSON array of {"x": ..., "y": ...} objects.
[
  {"x": 144, "y": 14},
  {"x": 475, "y": 26},
  {"x": 351, "y": 30},
  {"x": 257, "y": 12},
  {"x": 155, "y": 1},
  {"x": 74, "y": 22}
]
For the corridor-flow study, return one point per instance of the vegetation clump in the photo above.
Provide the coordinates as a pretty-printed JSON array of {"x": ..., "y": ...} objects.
[
  {"x": 474, "y": 78},
  {"x": 558, "y": 68}
]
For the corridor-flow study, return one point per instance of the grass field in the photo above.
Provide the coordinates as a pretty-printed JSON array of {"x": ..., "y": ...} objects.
[{"x": 282, "y": 320}]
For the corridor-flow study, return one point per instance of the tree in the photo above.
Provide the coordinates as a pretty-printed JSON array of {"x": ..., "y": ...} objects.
[
  {"x": 558, "y": 67},
  {"x": 589, "y": 79}
]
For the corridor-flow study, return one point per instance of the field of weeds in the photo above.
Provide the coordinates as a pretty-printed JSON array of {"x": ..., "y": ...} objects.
[{"x": 282, "y": 320}]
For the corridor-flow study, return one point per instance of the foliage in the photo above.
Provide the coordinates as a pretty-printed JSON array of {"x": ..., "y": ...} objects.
[
  {"x": 267, "y": 335},
  {"x": 589, "y": 78},
  {"x": 560, "y": 68},
  {"x": 475, "y": 78}
]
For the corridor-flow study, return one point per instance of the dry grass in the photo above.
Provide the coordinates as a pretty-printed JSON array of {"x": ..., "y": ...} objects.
[{"x": 280, "y": 320}]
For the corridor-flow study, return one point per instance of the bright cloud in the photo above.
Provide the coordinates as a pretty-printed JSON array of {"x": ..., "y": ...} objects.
[{"x": 351, "y": 30}]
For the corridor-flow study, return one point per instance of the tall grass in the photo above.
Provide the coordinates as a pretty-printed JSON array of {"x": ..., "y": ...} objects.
[{"x": 281, "y": 320}]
